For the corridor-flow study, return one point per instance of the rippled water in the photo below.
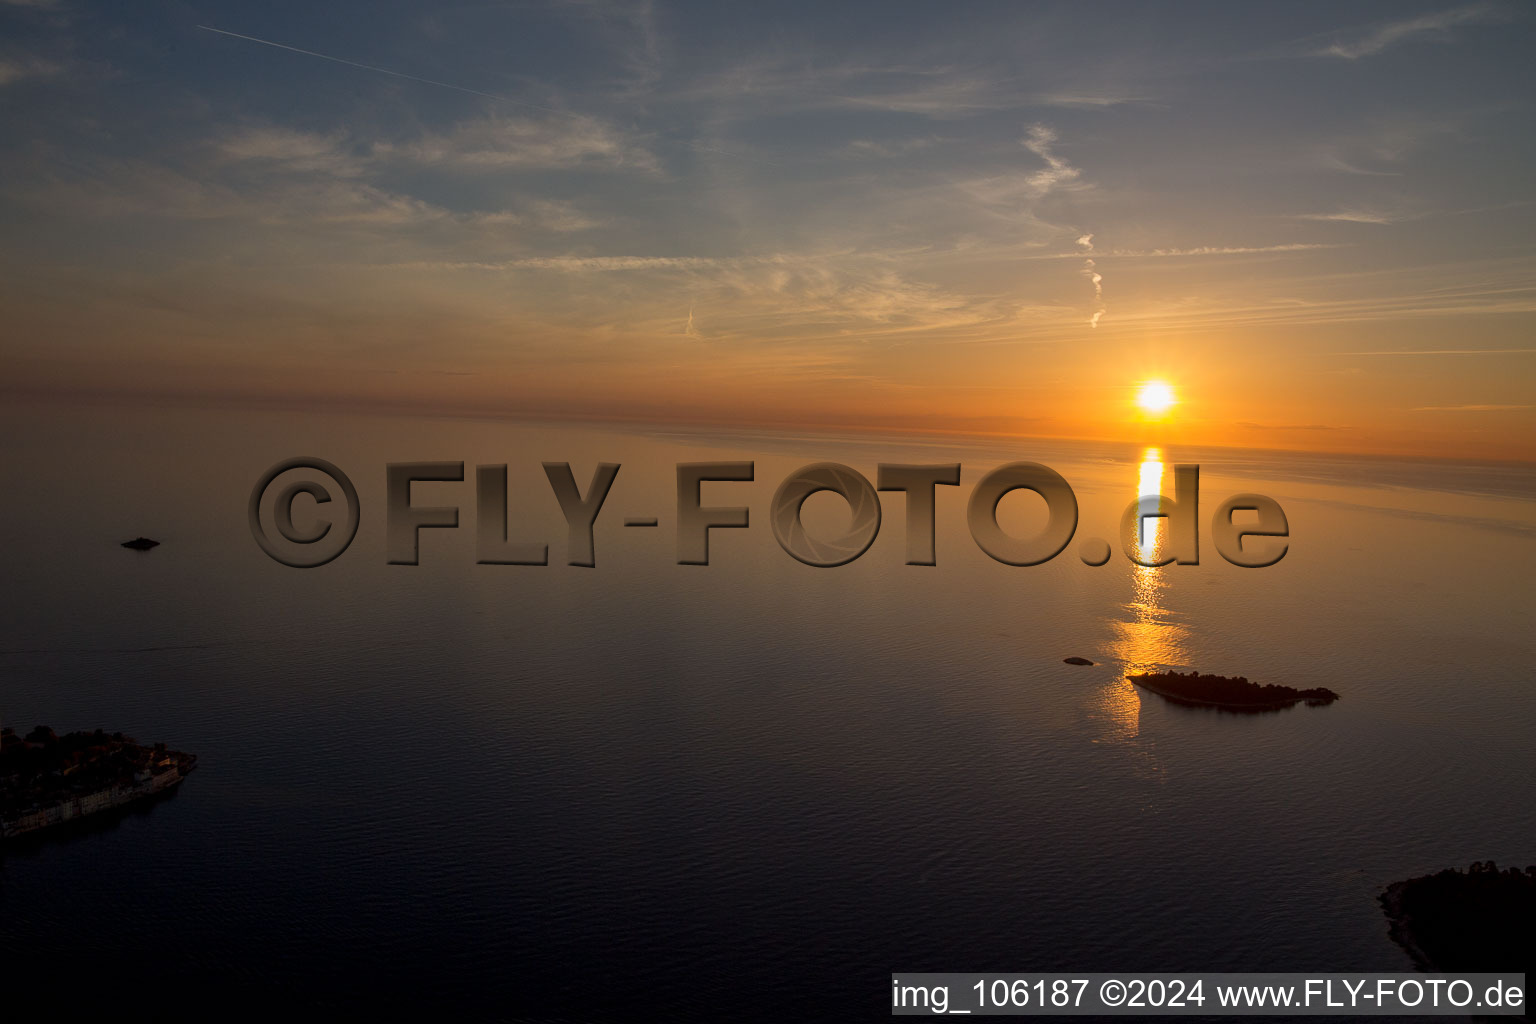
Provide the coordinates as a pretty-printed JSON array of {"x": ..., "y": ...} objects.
[{"x": 752, "y": 789}]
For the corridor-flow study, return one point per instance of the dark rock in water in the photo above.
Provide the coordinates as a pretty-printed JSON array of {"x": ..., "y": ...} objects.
[
  {"x": 141, "y": 544},
  {"x": 1224, "y": 692},
  {"x": 1474, "y": 920},
  {"x": 1076, "y": 661}
]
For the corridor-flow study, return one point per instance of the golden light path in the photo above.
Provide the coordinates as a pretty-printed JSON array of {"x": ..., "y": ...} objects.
[{"x": 1148, "y": 635}]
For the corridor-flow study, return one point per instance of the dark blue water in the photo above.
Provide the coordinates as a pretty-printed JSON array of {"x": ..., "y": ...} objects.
[{"x": 749, "y": 790}]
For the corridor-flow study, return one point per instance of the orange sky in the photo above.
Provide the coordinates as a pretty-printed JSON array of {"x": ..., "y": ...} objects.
[{"x": 1319, "y": 230}]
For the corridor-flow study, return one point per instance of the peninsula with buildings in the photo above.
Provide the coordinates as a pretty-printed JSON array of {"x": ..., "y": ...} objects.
[
  {"x": 1231, "y": 694},
  {"x": 48, "y": 780}
]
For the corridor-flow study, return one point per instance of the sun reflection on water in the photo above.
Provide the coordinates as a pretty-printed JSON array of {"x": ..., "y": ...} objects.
[{"x": 1147, "y": 634}]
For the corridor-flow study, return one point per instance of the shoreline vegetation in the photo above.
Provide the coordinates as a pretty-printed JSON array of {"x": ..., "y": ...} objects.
[
  {"x": 1232, "y": 694},
  {"x": 1481, "y": 919},
  {"x": 47, "y": 780}
]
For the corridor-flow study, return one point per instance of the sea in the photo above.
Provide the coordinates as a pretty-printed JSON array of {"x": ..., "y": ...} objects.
[{"x": 748, "y": 790}]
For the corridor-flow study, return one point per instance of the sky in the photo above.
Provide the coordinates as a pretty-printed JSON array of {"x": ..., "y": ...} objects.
[{"x": 1315, "y": 221}]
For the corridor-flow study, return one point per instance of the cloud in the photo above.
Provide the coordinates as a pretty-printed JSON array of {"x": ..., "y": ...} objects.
[
  {"x": 1084, "y": 100},
  {"x": 1355, "y": 217},
  {"x": 301, "y": 152},
  {"x": 897, "y": 147},
  {"x": 478, "y": 144},
  {"x": 1203, "y": 250},
  {"x": 1397, "y": 294},
  {"x": 1232, "y": 250},
  {"x": 594, "y": 264},
  {"x": 1471, "y": 408},
  {"x": 1371, "y": 215},
  {"x": 1443, "y": 352},
  {"x": 557, "y": 139},
  {"x": 938, "y": 97},
  {"x": 505, "y": 143},
  {"x": 1334, "y": 162},
  {"x": 775, "y": 84},
  {"x": 553, "y": 215},
  {"x": 295, "y": 181},
  {"x": 14, "y": 69},
  {"x": 1435, "y": 26},
  {"x": 841, "y": 299},
  {"x": 1041, "y": 141}
]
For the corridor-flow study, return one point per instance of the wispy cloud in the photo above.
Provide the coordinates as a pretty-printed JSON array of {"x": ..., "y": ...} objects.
[
  {"x": 938, "y": 98},
  {"x": 297, "y": 151},
  {"x": 1379, "y": 215},
  {"x": 1443, "y": 352},
  {"x": 1041, "y": 141},
  {"x": 779, "y": 298},
  {"x": 889, "y": 148},
  {"x": 1335, "y": 162},
  {"x": 15, "y": 69},
  {"x": 594, "y": 264},
  {"x": 1087, "y": 100},
  {"x": 1232, "y": 250},
  {"x": 295, "y": 182},
  {"x": 1358, "y": 216},
  {"x": 476, "y": 144},
  {"x": 1435, "y": 26},
  {"x": 505, "y": 143},
  {"x": 1471, "y": 408},
  {"x": 777, "y": 84},
  {"x": 1202, "y": 250},
  {"x": 1392, "y": 295}
]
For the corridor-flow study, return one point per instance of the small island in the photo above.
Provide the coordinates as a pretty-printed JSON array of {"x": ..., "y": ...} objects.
[
  {"x": 1231, "y": 694},
  {"x": 141, "y": 544},
  {"x": 1480, "y": 919},
  {"x": 1076, "y": 661},
  {"x": 47, "y": 779}
]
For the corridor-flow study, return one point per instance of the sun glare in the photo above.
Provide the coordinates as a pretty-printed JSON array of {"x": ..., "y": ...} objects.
[{"x": 1155, "y": 397}]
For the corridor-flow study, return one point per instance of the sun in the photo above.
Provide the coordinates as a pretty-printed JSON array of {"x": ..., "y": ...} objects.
[{"x": 1155, "y": 397}]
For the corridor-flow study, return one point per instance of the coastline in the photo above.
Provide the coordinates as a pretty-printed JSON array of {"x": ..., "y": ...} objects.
[
  {"x": 1400, "y": 923},
  {"x": 160, "y": 780}
]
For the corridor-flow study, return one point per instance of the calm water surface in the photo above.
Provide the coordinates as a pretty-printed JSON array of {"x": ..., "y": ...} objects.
[{"x": 565, "y": 793}]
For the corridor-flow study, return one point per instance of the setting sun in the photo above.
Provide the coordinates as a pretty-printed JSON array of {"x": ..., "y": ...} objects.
[{"x": 1155, "y": 397}]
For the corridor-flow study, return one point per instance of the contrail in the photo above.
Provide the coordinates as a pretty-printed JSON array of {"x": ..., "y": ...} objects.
[
  {"x": 449, "y": 85},
  {"x": 385, "y": 71},
  {"x": 1086, "y": 241}
]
